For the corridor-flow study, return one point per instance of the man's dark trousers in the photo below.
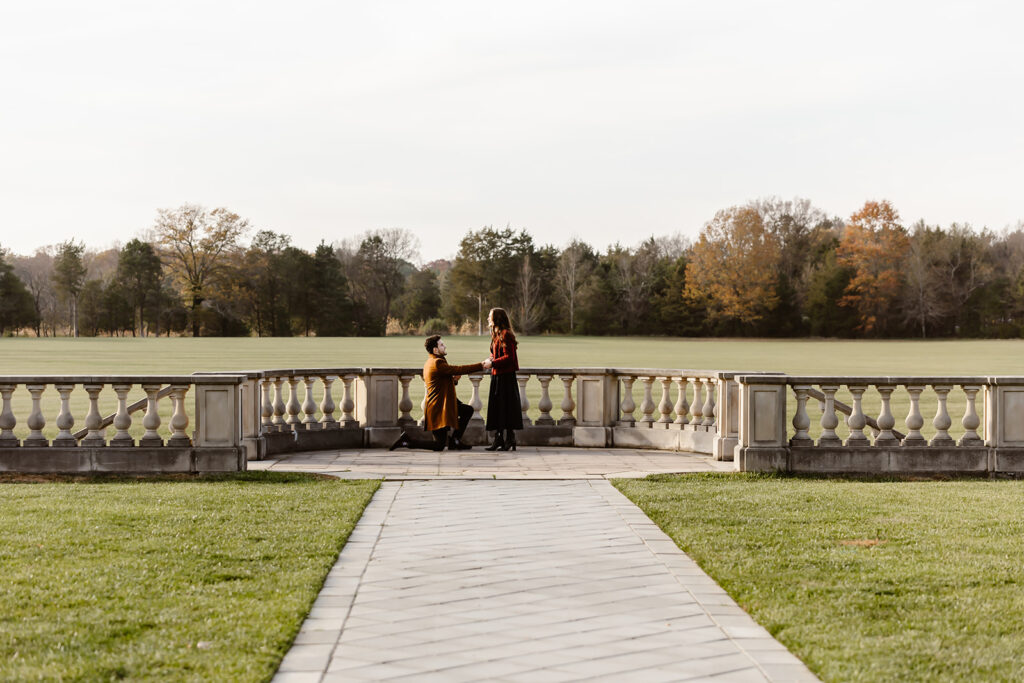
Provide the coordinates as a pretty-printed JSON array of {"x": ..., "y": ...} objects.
[{"x": 441, "y": 435}]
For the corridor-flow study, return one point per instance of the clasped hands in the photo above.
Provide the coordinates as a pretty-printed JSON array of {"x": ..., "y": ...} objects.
[{"x": 487, "y": 363}]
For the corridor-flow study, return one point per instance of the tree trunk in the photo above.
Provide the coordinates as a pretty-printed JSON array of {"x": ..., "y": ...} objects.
[{"x": 195, "y": 315}]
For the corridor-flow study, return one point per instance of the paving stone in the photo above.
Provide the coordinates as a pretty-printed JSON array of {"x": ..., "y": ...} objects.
[{"x": 525, "y": 580}]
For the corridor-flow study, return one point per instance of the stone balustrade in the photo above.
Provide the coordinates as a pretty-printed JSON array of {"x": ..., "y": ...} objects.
[
  {"x": 158, "y": 442},
  {"x": 986, "y": 436},
  {"x": 761, "y": 421}
]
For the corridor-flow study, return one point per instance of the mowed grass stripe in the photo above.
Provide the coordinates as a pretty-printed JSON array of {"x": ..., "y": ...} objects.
[
  {"x": 204, "y": 579},
  {"x": 863, "y": 580}
]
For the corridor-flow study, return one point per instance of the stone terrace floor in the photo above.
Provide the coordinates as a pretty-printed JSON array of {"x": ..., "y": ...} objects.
[{"x": 524, "y": 566}]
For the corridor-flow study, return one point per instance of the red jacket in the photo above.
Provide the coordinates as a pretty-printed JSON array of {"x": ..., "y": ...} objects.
[{"x": 503, "y": 353}]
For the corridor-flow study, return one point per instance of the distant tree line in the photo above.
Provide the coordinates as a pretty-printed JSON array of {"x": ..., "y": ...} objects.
[{"x": 767, "y": 268}]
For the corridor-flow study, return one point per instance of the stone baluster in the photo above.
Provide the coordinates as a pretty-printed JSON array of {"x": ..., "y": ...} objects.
[
  {"x": 857, "y": 420},
  {"x": 97, "y": 436},
  {"x": 665, "y": 405},
  {"x": 279, "y": 406},
  {"x": 347, "y": 404},
  {"x": 293, "y": 406},
  {"x": 327, "y": 420},
  {"x": 697, "y": 407},
  {"x": 36, "y": 420},
  {"x": 568, "y": 405},
  {"x": 474, "y": 400},
  {"x": 65, "y": 420},
  {"x": 179, "y": 419},
  {"x": 7, "y": 419},
  {"x": 970, "y": 420},
  {"x": 266, "y": 406},
  {"x": 886, "y": 421},
  {"x": 647, "y": 405},
  {"x": 942, "y": 422},
  {"x": 914, "y": 420},
  {"x": 309, "y": 422},
  {"x": 829, "y": 419},
  {"x": 801, "y": 420},
  {"x": 405, "y": 418},
  {"x": 122, "y": 420},
  {"x": 709, "y": 405},
  {"x": 544, "y": 405},
  {"x": 627, "y": 406},
  {"x": 682, "y": 404},
  {"x": 151, "y": 421},
  {"x": 523, "y": 401}
]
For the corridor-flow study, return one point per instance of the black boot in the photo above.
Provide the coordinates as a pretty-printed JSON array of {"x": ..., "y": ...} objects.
[
  {"x": 510, "y": 440},
  {"x": 499, "y": 443},
  {"x": 401, "y": 442}
]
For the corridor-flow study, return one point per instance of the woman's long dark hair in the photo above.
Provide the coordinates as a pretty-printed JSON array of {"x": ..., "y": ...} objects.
[{"x": 500, "y": 324}]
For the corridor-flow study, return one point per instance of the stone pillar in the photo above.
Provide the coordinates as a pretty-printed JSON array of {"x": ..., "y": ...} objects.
[
  {"x": 405, "y": 403},
  {"x": 309, "y": 405},
  {"x": 727, "y": 423},
  {"x": 377, "y": 395},
  {"x": 266, "y": 406},
  {"x": 942, "y": 422},
  {"x": 279, "y": 406},
  {"x": 762, "y": 438},
  {"x": 122, "y": 420},
  {"x": 665, "y": 405},
  {"x": 857, "y": 420},
  {"x": 152, "y": 419},
  {"x": 697, "y": 407},
  {"x": 7, "y": 419},
  {"x": 524, "y": 402},
  {"x": 36, "y": 420},
  {"x": 179, "y": 420},
  {"x": 886, "y": 421},
  {"x": 628, "y": 406},
  {"x": 568, "y": 405},
  {"x": 544, "y": 405},
  {"x": 829, "y": 419},
  {"x": 709, "y": 404},
  {"x": 970, "y": 420},
  {"x": 475, "y": 403},
  {"x": 347, "y": 404},
  {"x": 65, "y": 420},
  {"x": 293, "y": 406},
  {"x": 914, "y": 420},
  {"x": 327, "y": 420},
  {"x": 647, "y": 405},
  {"x": 682, "y": 404},
  {"x": 1004, "y": 423},
  {"x": 801, "y": 420},
  {"x": 97, "y": 436}
]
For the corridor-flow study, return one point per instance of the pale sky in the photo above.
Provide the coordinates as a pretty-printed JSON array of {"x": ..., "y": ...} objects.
[{"x": 608, "y": 121}]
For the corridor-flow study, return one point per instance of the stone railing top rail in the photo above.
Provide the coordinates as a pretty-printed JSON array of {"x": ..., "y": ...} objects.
[
  {"x": 880, "y": 379},
  {"x": 417, "y": 370},
  {"x": 218, "y": 378}
]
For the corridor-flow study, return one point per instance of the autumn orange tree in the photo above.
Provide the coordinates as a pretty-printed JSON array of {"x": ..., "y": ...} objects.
[
  {"x": 874, "y": 245},
  {"x": 734, "y": 267}
]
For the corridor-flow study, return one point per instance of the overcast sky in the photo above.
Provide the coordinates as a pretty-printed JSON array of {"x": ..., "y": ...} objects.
[{"x": 608, "y": 121}]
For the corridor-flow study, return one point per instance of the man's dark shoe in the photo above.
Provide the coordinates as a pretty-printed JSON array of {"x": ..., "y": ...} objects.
[
  {"x": 401, "y": 442},
  {"x": 457, "y": 445}
]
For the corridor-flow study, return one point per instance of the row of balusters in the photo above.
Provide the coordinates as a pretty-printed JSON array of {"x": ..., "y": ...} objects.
[
  {"x": 702, "y": 411},
  {"x": 283, "y": 410},
  {"x": 95, "y": 432},
  {"x": 883, "y": 435}
]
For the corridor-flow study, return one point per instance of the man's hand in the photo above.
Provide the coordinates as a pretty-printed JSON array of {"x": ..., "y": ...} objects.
[{"x": 487, "y": 363}]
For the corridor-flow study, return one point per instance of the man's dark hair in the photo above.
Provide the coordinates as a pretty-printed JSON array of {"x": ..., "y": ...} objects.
[{"x": 431, "y": 342}]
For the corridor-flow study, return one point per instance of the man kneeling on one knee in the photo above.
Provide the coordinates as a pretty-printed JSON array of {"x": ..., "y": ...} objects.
[{"x": 444, "y": 411}]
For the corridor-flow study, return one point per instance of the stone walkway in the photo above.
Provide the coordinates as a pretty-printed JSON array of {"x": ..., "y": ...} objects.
[{"x": 497, "y": 579}]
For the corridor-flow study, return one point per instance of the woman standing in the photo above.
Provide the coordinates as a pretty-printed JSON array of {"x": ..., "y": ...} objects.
[{"x": 504, "y": 411}]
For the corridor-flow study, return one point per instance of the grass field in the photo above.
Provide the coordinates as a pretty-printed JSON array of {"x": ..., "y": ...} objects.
[
  {"x": 863, "y": 580},
  {"x": 20, "y": 356},
  {"x": 198, "y": 579}
]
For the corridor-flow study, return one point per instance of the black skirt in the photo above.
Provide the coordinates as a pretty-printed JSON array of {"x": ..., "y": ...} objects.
[{"x": 504, "y": 411}]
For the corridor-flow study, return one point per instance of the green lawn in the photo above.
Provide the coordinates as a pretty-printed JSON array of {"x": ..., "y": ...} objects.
[
  {"x": 204, "y": 579},
  {"x": 863, "y": 580}
]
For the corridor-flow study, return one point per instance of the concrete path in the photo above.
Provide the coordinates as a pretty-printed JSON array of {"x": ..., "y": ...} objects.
[
  {"x": 503, "y": 580},
  {"x": 525, "y": 463}
]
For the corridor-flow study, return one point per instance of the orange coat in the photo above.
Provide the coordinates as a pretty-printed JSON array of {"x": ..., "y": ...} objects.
[{"x": 442, "y": 408}]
